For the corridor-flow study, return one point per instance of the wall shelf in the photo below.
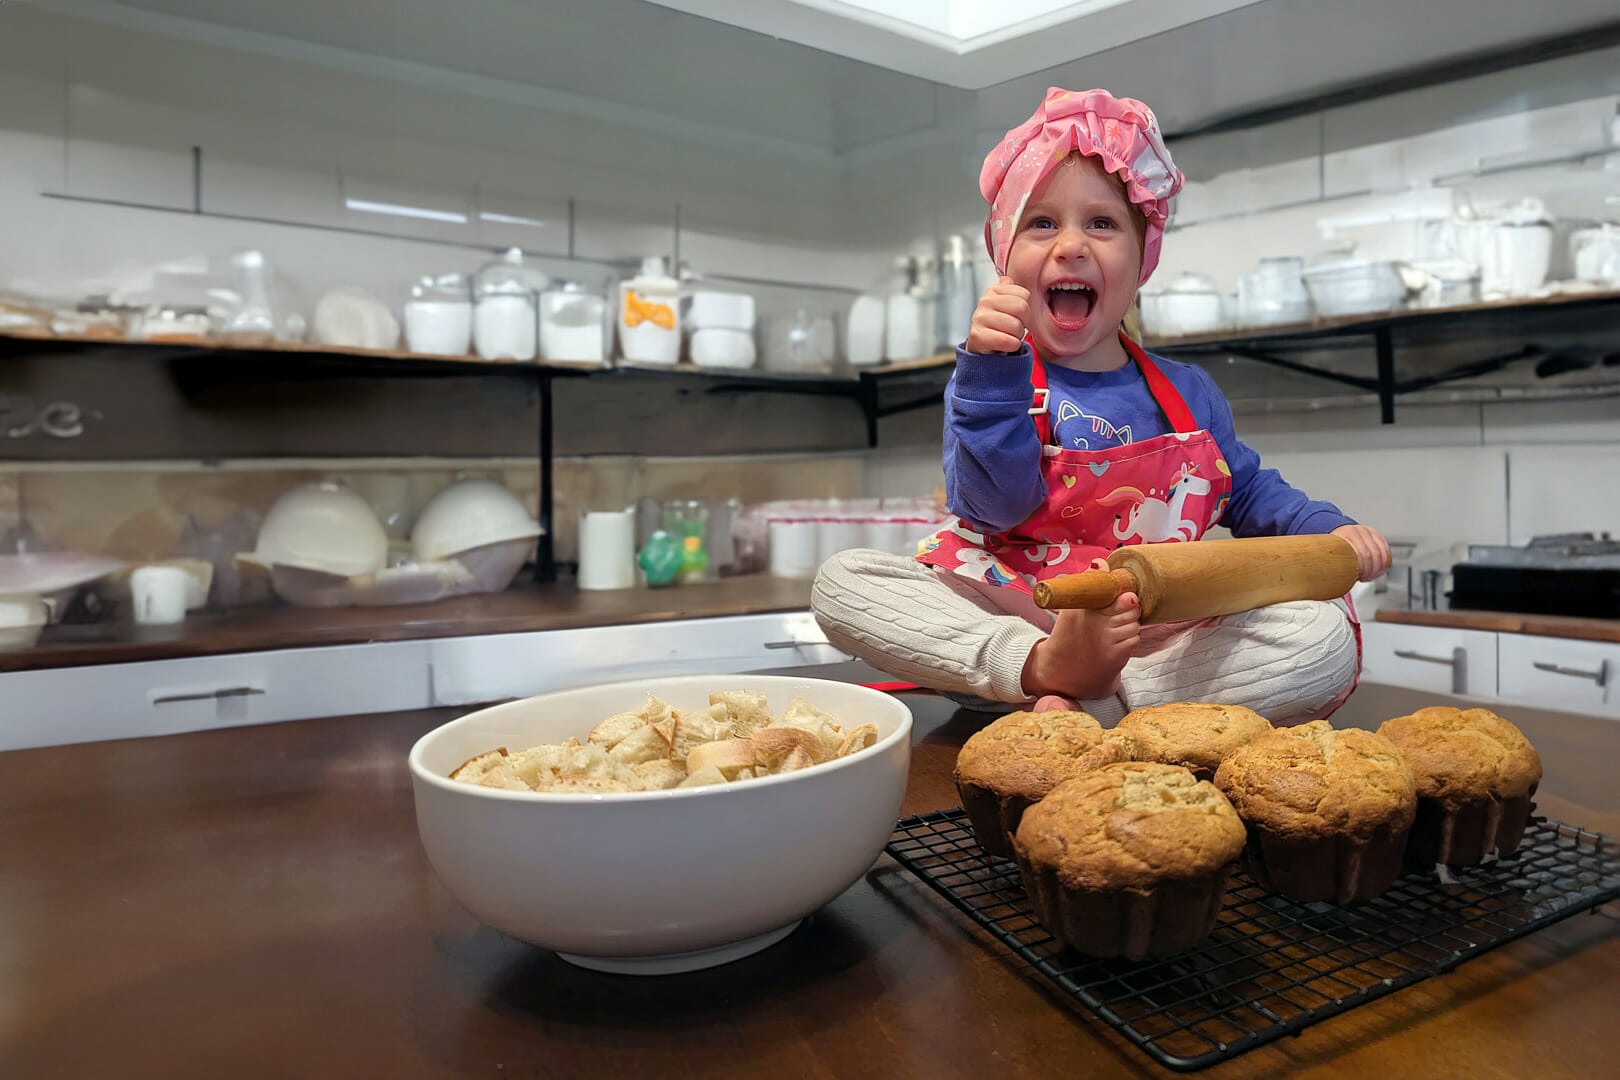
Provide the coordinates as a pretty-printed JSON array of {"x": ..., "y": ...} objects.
[
  {"x": 872, "y": 389},
  {"x": 1516, "y": 329}
]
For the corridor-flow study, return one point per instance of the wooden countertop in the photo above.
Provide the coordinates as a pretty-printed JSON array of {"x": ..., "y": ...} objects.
[
  {"x": 518, "y": 609},
  {"x": 1507, "y": 622},
  {"x": 255, "y": 902}
]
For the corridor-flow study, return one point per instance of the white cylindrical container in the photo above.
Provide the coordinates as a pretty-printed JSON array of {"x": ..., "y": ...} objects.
[
  {"x": 793, "y": 548},
  {"x": 159, "y": 594},
  {"x": 903, "y": 337},
  {"x": 607, "y": 549},
  {"x": 838, "y": 530},
  {"x": 893, "y": 535}
]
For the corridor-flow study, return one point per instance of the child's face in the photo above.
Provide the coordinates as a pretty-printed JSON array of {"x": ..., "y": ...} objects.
[{"x": 1078, "y": 228}]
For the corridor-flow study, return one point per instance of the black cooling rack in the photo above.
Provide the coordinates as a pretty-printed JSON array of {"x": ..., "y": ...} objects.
[{"x": 1272, "y": 966}]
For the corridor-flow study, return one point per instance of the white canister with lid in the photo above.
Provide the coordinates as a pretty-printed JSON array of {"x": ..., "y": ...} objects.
[
  {"x": 506, "y": 319},
  {"x": 721, "y": 311},
  {"x": 573, "y": 324},
  {"x": 649, "y": 317},
  {"x": 439, "y": 316}
]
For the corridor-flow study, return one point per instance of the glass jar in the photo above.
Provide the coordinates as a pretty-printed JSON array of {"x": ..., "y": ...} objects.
[
  {"x": 506, "y": 318},
  {"x": 688, "y": 521},
  {"x": 254, "y": 320},
  {"x": 439, "y": 316},
  {"x": 573, "y": 324}
]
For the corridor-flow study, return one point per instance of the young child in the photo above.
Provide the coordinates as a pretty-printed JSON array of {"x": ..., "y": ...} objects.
[{"x": 1063, "y": 441}]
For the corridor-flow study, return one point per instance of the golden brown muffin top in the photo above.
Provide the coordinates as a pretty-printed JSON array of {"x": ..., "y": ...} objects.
[
  {"x": 1131, "y": 825},
  {"x": 1461, "y": 756},
  {"x": 1027, "y": 754},
  {"x": 1196, "y": 735},
  {"x": 1314, "y": 781}
]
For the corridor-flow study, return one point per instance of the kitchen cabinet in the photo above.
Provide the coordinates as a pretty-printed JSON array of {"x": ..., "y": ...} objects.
[
  {"x": 1441, "y": 660},
  {"x": 1551, "y": 673},
  {"x": 1567, "y": 665},
  {"x": 57, "y": 706}
]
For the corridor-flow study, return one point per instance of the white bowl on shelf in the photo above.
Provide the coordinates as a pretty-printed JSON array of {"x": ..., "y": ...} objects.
[
  {"x": 663, "y": 881},
  {"x": 323, "y": 527},
  {"x": 470, "y": 514}
]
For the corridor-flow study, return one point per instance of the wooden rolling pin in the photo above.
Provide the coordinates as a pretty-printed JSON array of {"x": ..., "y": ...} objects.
[{"x": 1176, "y": 582}]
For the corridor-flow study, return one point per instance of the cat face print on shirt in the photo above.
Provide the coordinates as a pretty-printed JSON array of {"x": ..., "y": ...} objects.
[{"x": 1075, "y": 429}]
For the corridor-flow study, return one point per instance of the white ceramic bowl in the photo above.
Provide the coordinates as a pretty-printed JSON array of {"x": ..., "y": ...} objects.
[
  {"x": 664, "y": 881},
  {"x": 324, "y": 527},
  {"x": 469, "y": 514}
]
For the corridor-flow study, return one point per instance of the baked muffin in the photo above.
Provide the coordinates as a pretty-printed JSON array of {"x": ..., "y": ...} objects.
[
  {"x": 1327, "y": 811},
  {"x": 1015, "y": 760},
  {"x": 1475, "y": 774},
  {"x": 1193, "y": 735},
  {"x": 1129, "y": 860}
]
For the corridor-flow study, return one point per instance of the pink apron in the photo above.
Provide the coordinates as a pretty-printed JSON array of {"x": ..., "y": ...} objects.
[{"x": 1170, "y": 488}]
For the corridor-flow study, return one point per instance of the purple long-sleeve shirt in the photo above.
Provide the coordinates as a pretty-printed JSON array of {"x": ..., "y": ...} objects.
[{"x": 993, "y": 455}]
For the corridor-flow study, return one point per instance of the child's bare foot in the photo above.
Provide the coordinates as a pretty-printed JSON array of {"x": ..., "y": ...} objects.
[{"x": 1085, "y": 653}]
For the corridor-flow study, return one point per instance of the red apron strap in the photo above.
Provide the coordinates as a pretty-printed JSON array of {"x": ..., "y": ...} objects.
[
  {"x": 1163, "y": 390},
  {"x": 1037, "y": 382}
]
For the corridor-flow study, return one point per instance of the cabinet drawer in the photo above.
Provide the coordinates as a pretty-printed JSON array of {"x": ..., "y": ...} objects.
[
  {"x": 1436, "y": 659},
  {"x": 474, "y": 670},
  {"x": 161, "y": 697},
  {"x": 1553, "y": 673}
]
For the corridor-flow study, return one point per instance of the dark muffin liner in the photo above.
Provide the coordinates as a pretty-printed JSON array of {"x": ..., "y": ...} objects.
[
  {"x": 1464, "y": 836},
  {"x": 1136, "y": 924},
  {"x": 1338, "y": 870},
  {"x": 994, "y": 817}
]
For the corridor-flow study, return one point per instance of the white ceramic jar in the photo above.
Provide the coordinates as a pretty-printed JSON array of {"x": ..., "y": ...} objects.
[{"x": 649, "y": 315}]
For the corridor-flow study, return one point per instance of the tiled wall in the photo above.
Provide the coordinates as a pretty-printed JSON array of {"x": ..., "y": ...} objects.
[{"x": 1441, "y": 476}]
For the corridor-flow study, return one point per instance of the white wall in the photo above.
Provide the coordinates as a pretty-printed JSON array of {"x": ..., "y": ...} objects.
[{"x": 95, "y": 111}]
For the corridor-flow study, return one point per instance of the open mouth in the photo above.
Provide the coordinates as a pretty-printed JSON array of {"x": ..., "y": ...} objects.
[{"x": 1070, "y": 303}]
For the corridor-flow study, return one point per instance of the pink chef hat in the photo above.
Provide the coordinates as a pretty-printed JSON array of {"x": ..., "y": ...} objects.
[{"x": 1122, "y": 132}]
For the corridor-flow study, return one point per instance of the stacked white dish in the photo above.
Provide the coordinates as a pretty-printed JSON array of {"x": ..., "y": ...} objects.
[
  {"x": 1355, "y": 286},
  {"x": 722, "y": 330},
  {"x": 1191, "y": 305}
]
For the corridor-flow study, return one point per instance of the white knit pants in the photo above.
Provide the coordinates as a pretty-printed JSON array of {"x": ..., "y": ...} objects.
[{"x": 1288, "y": 662}]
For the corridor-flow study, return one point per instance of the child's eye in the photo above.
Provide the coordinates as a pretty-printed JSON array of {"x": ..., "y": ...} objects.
[
  {"x": 1103, "y": 223},
  {"x": 1042, "y": 223}
]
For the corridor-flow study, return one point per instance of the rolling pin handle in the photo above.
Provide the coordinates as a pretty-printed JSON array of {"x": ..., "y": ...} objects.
[{"x": 1091, "y": 589}]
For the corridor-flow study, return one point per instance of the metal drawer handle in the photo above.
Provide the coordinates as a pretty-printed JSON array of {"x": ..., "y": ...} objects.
[
  {"x": 1457, "y": 662},
  {"x": 1449, "y": 661},
  {"x": 209, "y": 695},
  {"x": 1600, "y": 676}
]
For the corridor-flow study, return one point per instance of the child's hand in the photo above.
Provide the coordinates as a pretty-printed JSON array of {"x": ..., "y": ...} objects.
[
  {"x": 1372, "y": 550},
  {"x": 998, "y": 321}
]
